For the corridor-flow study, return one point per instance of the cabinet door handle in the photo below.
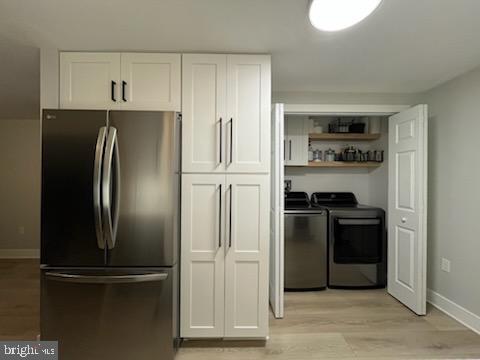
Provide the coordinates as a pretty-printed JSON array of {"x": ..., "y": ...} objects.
[
  {"x": 220, "y": 218},
  {"x": 112, "y": 88},
  {"x": 221, "y": 140},
  {"x": 230, "y": 218},
  {"x": 231, "y": 140},
  {"x": 124, "y": 84},
  {"x": 290, "y": 149}
]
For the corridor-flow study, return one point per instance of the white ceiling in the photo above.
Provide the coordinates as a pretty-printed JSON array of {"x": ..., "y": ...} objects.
[{"x": 405, "y": 46}]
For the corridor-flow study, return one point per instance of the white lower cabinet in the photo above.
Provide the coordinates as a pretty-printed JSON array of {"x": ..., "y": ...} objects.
[{"x": 224, "y": 262}]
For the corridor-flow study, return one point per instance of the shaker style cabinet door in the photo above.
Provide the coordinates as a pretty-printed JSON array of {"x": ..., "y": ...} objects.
[
  {"x": 89, "y": 80},
  {"x": 248, "y": 111},
  {"x": 296, "y": 141},
  {"x": 246, "y": 261},
  {"x": 202, "y": 256},
  {"x": 150, "y": 81},
  {"x": 204, "y": 113}
]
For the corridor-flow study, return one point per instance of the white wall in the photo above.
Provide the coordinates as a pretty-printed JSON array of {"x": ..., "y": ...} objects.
[
  {"x": 19, "y": 187},
  {"x": 454, "y": 192}
]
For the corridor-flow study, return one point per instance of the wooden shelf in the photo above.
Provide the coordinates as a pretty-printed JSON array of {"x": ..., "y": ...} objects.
[
  {"x": 346, "y": 136},
  {"x": 341, "y": 164}
]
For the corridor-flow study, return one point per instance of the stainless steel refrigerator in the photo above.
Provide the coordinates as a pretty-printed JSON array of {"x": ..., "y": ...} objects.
[{"x": 109, "y": 233}]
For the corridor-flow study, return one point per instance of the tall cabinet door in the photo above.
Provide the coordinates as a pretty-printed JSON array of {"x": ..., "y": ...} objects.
[
  {"x": 151, "y": 81},
  {"x": 89, "y": 80},
  {"x": 203, "y": 115},
  {"x": 202, "y": 256},
  {"x": 248, "y": 94},
  {"x": 246, "y": 261}
]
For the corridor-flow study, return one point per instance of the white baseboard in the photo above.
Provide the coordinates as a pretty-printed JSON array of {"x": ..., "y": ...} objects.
[
  {"x": 459, "y": 313},
  {"x": 19, "y": 253}
]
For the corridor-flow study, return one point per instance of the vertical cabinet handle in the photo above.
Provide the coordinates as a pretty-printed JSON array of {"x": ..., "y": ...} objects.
[
  {"x": 221, "y": 141},
  {"x": 290, "y": 150},
  {"x": 231, "y": 140},
  {"x": 220, "y": 218},
  {"x": 113, "y": 86},
  {"x": 124, "y": 84},
  {"x": 230, "y": 218}
]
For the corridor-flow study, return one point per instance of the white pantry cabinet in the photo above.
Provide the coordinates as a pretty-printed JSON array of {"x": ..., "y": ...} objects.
[
  {"x": 224, "y": 258},
  {"x": 129, "y": 81},
  {"x": 296, "y": 142},
  {"x": 226, "y": 113}
]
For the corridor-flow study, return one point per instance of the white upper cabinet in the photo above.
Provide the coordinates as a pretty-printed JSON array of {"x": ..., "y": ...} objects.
[
  {"x": 296, "y": 142},
  {"x": 131, "y": 81},
  {"x": 89, "y": 80},
  {"x": 204, "y": 100},
  {"x": 151, "y": 81},
  {"x": 248, "y": 109},
  {"x": 226, "y": 113}
]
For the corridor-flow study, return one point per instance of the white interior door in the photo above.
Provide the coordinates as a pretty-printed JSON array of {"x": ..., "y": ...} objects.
[
  {"x": 407, "y": 209},
  {"x": 276, "y": 213}
]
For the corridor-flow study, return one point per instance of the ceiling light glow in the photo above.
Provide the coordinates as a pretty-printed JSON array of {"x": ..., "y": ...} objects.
[{"x": 335, "y": 15}]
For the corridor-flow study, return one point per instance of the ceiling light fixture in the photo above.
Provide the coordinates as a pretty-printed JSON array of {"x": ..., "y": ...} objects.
[{"x": 335, "y": 15}]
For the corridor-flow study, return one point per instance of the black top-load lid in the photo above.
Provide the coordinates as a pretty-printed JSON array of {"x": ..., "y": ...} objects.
[
  {"x": 334, "y": 199},
  {"x": 296, "y": 200}
]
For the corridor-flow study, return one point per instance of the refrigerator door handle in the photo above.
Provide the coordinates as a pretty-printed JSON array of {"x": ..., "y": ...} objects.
[
  {"x": 110, "y": 223},
  {"x": 97, "y": 174},
  {"x": 106, "y": 279}
]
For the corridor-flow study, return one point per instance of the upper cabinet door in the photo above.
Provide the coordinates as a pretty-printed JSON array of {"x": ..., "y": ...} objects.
[
  {"x": 150, "y": 81},
  {"x": 204, "y": 113},
  {"x": 89, "y": 80},
  {"x": 248, "y": 109},
  {"x": 296, "y": 142}
]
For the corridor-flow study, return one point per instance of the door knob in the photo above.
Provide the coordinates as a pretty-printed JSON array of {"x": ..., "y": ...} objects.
[{"x": 404, "y": 220}]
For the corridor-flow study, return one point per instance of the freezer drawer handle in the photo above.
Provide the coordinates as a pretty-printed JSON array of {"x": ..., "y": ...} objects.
[
  {"x": 111, "y": 223},
  {"x": 359, "y": 221},
  {"x": 97, "y": 173},
  {"x": 106, "y": 279}
]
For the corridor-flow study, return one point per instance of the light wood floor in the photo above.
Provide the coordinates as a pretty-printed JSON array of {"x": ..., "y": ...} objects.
[{"x": 333, "y": 324}]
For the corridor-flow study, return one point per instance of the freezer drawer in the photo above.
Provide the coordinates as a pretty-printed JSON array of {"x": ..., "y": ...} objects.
[{"x": 119, "y": 314}]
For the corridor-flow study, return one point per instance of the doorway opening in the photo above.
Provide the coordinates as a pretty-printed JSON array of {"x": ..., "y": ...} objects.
[{"x": 348, "y": 198}]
